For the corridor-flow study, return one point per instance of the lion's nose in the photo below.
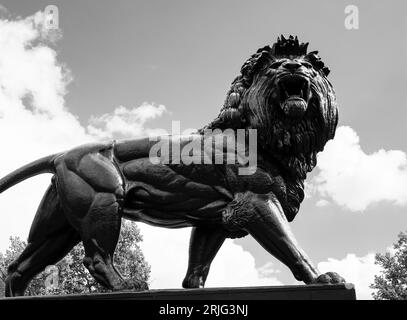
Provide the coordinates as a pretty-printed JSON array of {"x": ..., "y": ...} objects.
[{"x": 292, "y": 66}]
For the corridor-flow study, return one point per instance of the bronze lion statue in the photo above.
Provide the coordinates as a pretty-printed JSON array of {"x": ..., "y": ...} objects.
[{"x": 282, "y": 92}]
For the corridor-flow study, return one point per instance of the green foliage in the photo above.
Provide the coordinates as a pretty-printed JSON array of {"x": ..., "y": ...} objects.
[
  {"x": 391, "y": 284},
  {"x": 71, "y": 276}
]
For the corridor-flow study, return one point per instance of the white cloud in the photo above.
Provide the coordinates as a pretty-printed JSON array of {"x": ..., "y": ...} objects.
[
  {"x": 33, "y": 118},
  {"x": 35, "y": 122},
  {"x": 357, "y": 270},
  {"x": 125, "y": 122},
  {"x": 322, "y": 203},
  {"x": 355, "y": 179}
]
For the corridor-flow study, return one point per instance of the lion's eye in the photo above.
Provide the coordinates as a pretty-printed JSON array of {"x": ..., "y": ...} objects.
[
  {"x": 307, "y": 64},
  {"x": 276, "y": 64}
]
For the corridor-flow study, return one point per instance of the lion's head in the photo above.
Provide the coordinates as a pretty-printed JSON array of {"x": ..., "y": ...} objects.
[{"x": 284, "y": 93}]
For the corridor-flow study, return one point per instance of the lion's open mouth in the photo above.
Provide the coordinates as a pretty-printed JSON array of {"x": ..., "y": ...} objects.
[{"x": 294, "y": 95}]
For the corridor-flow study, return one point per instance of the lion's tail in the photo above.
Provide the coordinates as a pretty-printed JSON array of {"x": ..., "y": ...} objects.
[{"x": 43, "y": 165}]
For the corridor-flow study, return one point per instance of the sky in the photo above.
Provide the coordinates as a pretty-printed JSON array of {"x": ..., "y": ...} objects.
[{"x": 128, "y": 68}]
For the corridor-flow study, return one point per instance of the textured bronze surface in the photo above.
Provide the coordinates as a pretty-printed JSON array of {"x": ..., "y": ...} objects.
[{"x": 282, "y": 92}]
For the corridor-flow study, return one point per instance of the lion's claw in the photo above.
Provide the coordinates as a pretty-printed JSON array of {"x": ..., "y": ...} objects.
[{"x": 330, "y": 278}]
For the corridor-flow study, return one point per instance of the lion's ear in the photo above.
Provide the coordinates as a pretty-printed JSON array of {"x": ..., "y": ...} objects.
[{"x": 266, "y": 48}]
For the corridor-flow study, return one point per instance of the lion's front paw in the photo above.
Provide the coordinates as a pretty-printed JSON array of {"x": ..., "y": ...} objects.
[
  {"x": 193, "y": 281},
  {"x": 330, "y": 278}
]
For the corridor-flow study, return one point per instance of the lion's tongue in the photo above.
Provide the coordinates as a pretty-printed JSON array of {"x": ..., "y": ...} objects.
[{"x": 294, "y": 107}]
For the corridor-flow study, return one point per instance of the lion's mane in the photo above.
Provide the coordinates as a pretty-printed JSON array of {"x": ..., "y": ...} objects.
[{"x": 292, "y": 145}]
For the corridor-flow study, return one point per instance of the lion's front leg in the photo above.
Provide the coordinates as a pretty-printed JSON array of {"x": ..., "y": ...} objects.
[
  {"x": 204, "y": 245},
  {"x": 263, "y": 217}
]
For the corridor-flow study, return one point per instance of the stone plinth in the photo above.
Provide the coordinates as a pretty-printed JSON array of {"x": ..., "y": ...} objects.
[{"x": 300, "y": 292}]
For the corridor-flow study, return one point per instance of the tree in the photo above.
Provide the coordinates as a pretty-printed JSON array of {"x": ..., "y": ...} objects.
[
  {"x": 69, "y": 275},
  {"x": 391, "y": 284}
]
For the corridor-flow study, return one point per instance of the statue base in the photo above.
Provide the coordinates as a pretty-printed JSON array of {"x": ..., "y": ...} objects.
[{"x": 296, "y": 292}]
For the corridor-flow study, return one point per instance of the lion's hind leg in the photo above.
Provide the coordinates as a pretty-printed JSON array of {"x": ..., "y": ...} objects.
[
  {"x": 91, "y": 193},
  {"x": 100, "y": 229},
  {"x": 51, "y": 238}
]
